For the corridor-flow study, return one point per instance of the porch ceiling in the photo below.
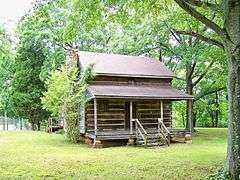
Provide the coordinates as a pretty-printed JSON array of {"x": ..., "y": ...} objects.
[{"x": 137, "y": 92}]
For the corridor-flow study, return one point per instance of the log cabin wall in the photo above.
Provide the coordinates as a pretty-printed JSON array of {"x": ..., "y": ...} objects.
[
  {"x": 113, "y": 114},
  {"x": 110, "y": 115},
  {"x": 167, "y": 113},
  {"x": 149, "y": 111},
  {"x": 131, "y": 80}
]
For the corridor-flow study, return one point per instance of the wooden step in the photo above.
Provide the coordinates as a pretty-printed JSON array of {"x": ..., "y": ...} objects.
[
  {"x": 154, "y": 139},
  {"x": 148, "y": 141},
  {"x": 154, "y": 144}
]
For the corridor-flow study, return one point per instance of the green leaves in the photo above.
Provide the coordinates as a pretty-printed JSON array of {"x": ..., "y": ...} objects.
[
  {"x": 83, "y": 17},
  {"x": 58, "y": 88},
  {"x": 65, "y": 94},
  {"x": 6, "y": 70}
]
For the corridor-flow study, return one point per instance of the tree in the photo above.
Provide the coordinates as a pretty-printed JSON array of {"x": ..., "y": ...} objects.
[
  {"x": 27, "y": 87},
  {"x": 45, "y": 34},
  {"x": 6, "y": 71},
  {"x": 151, "y": 29},
  {"x": 229, "y": 32},
  {"x": 58, "y": 87},
  {"x": 65, "y": 94}
]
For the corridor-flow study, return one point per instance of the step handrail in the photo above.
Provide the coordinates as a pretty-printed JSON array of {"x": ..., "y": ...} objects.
[
  {"x": 162, "y": 128},
  {"x": 141, "y": 130}
]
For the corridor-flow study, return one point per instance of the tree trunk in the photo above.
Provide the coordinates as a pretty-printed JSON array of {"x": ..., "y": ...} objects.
[
  {"x": 232, "y": 48},
  {"x": 38, "y": 126},
  {"x": 233, "y": 153},
  {"x": 194, "y": 119},
  {"x": 189, "y": 107},
  {"x": 217, "y": 110},
  {"x": 230, "y": 35},
  {"x": 33, "y": 126},
  {"x": 212, "y": 118}
]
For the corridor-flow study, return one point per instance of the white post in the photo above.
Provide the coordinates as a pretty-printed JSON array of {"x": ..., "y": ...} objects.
[
  {"x": 95, "y": 116},
  {"x": 131, "y": 117},
  {"x": 161, "y": 102}
]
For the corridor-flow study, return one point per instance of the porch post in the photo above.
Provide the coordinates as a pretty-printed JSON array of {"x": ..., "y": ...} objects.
[
  {"x": 95, "y": 116},
  {"x": 131, "y": 123},
  {"x": 161, "y": 110},
  {"x": 189, "y": 124}
]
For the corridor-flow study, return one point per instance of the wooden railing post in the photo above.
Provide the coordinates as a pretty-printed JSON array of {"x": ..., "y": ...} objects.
[
  {"x": 145, "y": 140},
  {"x": 164, "y": 131},
  {"x": 140, "y": 129},
  {"x": 136, "y": 128},
  {"x": 131, "y": 117},
  {"x": 95, "y": 116}
]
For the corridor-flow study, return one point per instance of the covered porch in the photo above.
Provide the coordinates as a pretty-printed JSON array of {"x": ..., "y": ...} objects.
[{"x": 125, "y": 113}]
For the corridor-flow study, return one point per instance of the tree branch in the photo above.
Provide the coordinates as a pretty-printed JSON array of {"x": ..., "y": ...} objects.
[
  {"x": 201, "y": 37},
  {"x": 208, "y": 92},
  {"x": 184, "y": 4},
  {"x": 192, "y": 68},
  {"x": 178, "y": 78},
  {"x": 203, "y": 74},
  {"x": 200, "y": 3}
]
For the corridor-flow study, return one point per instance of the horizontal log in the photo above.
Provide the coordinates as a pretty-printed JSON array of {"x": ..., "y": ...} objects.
[
  {"x": 107, "y": 118},
  {"x": 113, "y": 111},
  {"x": 112, "y": 130},
  {"x": 148, "y": 109},
  {"x": 149, "y": 124},
  {"x": 153, "y": 115},
  {"x": 103, "y": 125},
  {"x": 148, "y": 102},
  {"x": 107, "y": 115},
  {"x": 106, "y": 121},
  {"x": 116, "y": 109},
  {"x": 146, "y": 106}
]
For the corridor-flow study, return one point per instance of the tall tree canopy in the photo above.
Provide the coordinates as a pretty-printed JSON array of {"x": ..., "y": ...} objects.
[
  {"x": 147, "y": 28},
  {"x": 6, "y": 68},
  {"x": 226, "y": 34},
  {"x": 194, "y": 47}
]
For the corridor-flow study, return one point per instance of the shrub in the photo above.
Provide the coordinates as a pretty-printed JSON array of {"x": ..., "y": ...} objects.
[{"x": 65, "y": 95}]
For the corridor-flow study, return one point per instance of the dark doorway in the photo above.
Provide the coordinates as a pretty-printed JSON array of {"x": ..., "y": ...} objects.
[{"x": 127, "y": 114}]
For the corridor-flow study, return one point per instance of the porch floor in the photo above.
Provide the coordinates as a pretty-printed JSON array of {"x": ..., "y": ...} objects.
[
  {"x": 111, "y": 135},
  {"x": 125, "y": 134}
]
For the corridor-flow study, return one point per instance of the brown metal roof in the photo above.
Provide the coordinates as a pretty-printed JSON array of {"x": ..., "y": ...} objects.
[
  {"x": 122, "y": 65},
  {"x": 136, "y": 92}
]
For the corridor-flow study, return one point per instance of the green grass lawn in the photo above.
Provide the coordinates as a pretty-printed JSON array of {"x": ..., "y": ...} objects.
[{"x": 38, "y": 155}]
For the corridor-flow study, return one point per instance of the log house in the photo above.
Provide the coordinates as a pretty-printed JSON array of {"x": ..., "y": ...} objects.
[{"x": 131, "y": 101}]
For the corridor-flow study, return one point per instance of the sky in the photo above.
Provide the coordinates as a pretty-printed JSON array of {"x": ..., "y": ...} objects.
[{"x": 11, "y": 11}]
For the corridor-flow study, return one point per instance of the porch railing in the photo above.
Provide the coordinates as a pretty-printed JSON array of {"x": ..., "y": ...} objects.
[
  {"x": 162, "y": 129},
  {"x": 139, "y": 130}
]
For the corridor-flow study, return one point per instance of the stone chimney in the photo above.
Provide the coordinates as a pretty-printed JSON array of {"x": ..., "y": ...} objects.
[{"x": 72, "y": 58}]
